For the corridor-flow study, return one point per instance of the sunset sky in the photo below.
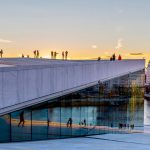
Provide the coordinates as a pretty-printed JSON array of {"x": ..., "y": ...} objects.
[{"x": 86, "y": 28}]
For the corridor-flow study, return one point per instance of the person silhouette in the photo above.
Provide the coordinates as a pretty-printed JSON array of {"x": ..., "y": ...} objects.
[
  {"x": 55, "y": 55},
  {"x": 34, "y": 52},
  {"x": 52, "y": 54},
  {"x": 69, "y": 123},
  {"x": 119, "y": 57},
  {"x": 114, "y": 57},
  {"x": 99, "y": 58},
  {"x": 21, "y": 119},
  {"x": 37, "y": 54},
  {"x": 66, "y": 54},
  {"x": 84, "y": 122},
  {"x": 1, "y": 53},
  {"x": 63, "y": 55}
]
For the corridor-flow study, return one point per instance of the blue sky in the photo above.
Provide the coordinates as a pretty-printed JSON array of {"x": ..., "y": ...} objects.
[{"x": 87, "y": 28}]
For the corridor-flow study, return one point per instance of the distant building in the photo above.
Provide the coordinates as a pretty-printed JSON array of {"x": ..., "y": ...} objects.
[{"x": 51, "y": 99}]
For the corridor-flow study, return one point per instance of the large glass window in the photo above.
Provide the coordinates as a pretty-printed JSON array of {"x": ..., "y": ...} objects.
[
  {"x": 76, "y": 114},
  {"x": 5, "y": 128},
  {"x": 54, "y": 119},
  {"x": 93, "y": 111},
  {"x": 66, "y": 116},
  {"x": 40, "y": 122},
  {"x": 84, "y": 112}
]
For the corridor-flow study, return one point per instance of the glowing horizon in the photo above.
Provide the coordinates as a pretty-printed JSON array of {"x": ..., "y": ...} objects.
[{"x": 87, "y": 29}]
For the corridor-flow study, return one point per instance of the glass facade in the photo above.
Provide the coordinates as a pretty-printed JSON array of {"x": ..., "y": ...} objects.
[
  {"x": 5, "y": 129},
  {"x": 114, "y": 106}
]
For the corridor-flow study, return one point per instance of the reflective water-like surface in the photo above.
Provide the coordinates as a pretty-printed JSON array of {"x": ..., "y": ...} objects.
[{"x": 114, "y": 106}]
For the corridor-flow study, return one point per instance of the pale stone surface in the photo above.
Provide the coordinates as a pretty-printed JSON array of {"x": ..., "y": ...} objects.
[
  {"x": 1, "y": 65},
  {"x": 139, "y": 141}
]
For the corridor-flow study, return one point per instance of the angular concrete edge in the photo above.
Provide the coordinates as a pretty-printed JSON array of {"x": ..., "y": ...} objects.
[{"x": 38, "y": 100}]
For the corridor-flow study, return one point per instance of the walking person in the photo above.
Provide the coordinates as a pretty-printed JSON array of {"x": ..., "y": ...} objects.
[
  {"x": 21, "y": 119},
  {"x": 66, "y": 54}
]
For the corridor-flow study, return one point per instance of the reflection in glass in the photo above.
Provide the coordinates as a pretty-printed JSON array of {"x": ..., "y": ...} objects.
[
  {"x": 54, "y": 112},
  {"x": 40, "y": 122},
  {"x": 76, "y": 110},
  {"x": 5, "y": 128},
  {"x": 66, "y": 116},
  {"x": 113, "y": 106},
  {"x": 84, "y": 112},
  {"x": 21, "y": 125}
]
